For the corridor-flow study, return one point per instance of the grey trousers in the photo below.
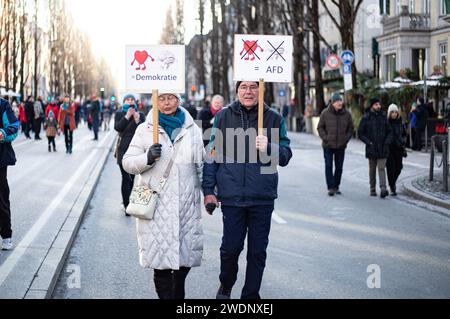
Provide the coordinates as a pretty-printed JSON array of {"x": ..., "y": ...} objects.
[{"x": 381, "y": 165}]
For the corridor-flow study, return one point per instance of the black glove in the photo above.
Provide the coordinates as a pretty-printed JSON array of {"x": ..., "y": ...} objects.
[
  {"x": 210, "y": 207},
  {"x": 154, "y": 152}
]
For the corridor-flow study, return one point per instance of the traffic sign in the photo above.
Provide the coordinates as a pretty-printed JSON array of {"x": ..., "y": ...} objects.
[
  {"x": 333, "y": 61},
  {"x": 347, "y": 57},
  {"x": 281, "y": 93},
  {"x": 347, "y": 69}
]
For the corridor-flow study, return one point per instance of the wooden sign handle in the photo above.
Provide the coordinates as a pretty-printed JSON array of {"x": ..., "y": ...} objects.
[
  {"x": 155, "y": 116},
  {"x": 261, "y": 107}
]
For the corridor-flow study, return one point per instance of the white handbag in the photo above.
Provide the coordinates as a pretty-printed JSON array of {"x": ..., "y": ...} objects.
[{"x": 143, "y": 199}]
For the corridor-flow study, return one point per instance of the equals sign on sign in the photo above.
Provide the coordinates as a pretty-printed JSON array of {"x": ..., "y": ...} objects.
[{"x": 256, "y": 68}]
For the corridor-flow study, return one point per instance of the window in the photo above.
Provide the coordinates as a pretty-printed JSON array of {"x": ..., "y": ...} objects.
[
  {"x": 391, "y": 66},
  {"x": 442, "y": 8},
  {"x": 397, "y": 7},
  {"x": 385, "y": 7},
  {"x": 411, "y": 6},
  {"x": 443, "y": 56},
  {"x": 426, "y": 6}
]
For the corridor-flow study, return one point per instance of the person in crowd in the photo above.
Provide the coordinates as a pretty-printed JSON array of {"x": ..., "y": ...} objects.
[
  {"x": 374, "y": 130},
  {"x": 29, "y": 113},
  {"x": 95, "y": 114},
  {"x": 421, "y": 114},
  {"x": 397, "y": 148},
  {"x": 172, "y": 242},
  {"x": 39, "y": 115},
  {"x": 335, "y": 129},
  {"x": 207, "y": 114},
  {"x": 51, "y": 130},
  {"x": 9, "y": 127},
  {"x": 67, "y": 122},
  {"x": 246, "y": 178},
  {"x": 23, "y": 119},
  {"x": 126, "y": 122}
]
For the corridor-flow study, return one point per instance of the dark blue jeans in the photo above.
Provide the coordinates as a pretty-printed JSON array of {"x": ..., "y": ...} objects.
[
  {"x": 333, "y": 180},
  {"x": 237, "y": 221}
]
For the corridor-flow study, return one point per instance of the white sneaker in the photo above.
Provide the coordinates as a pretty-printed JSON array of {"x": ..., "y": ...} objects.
[{"x": 7, "y": 244}]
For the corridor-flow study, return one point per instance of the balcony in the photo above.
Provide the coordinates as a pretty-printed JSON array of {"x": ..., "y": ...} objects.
[{"x": 406, "y": 22}]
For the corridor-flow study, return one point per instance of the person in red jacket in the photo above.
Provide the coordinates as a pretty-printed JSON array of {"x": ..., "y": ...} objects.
[
  {"x": 23, "y": 120},
  {"x": 67, "y": 122},
  {"x": 53, "y": 107}
]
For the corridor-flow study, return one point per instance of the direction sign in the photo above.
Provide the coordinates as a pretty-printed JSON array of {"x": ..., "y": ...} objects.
[
  {"x": 333, "y": 61},
  {"x": 267, "y": 57},
  {"x": 155, "y": 67},
  {"x": 347, "y": 57}
]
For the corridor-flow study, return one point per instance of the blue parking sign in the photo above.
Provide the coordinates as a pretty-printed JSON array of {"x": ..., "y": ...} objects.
[
  {"x": 347, "y": 68},
  {"x": 347, "y": 57},
  {"x": 282, "y": 93}
]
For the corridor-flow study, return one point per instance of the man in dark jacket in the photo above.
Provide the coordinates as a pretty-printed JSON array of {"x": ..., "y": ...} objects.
[
  {"x": 29, "y": 114},
  {"x": 375, "y": 131},
  {"x": 126, "y": 122},
  {"x": 421, "y": 114},
  {"x": 9, "y": 126},
  {"x": 243, "y": 166},
  {"x": 95, "y": 114},
  {"x": 335, "y": 129}
]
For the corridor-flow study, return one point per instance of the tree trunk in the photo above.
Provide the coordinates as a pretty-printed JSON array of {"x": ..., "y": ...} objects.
[
  {"x": 36, "y": 51},
  {"x": 320, "y": 103},
  {"x": 225, "y": 51},
  {"x": 214, "y": 50},
  {"x": 202, "y": 51}
]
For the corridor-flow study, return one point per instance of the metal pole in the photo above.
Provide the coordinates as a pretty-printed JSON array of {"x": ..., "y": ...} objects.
[
  {"x": 426, "y": 139},
  {"x": 445, "y": 164},
  {"x": 430, "y": 177}
]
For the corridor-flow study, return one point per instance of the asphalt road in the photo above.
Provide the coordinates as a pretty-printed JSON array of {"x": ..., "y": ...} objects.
[{"x": 320, "y": 247}]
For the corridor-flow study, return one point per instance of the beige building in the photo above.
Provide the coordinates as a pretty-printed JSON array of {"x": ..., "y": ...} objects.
[{"x": 415, "y": 36}]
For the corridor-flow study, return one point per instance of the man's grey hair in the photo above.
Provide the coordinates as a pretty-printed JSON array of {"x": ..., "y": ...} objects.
[{"x": 218, "y": 96}]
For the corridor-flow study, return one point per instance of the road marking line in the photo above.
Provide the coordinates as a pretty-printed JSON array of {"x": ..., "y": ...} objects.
[
  {"x": 278, "y": 219},
  {"x": 11, "y": 261}
]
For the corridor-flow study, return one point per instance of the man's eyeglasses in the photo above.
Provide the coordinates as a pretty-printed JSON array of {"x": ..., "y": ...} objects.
[
  {"x": 244, "y": 88},
  {"x": 169, "y": 98}
]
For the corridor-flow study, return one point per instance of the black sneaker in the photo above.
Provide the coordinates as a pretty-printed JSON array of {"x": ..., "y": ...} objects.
[
  {"x": 384, "y": 193},
  {"x": 338, "y": 192},
  {"x": 223, "y": 293},
  {"x": 373, "y": 193},
  {"x": 331, "y": 192}
]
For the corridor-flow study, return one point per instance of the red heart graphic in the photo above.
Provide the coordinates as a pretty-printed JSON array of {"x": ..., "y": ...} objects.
[
  {"x": 250, "y": 46},
  {"x": 141, "y": 56}
]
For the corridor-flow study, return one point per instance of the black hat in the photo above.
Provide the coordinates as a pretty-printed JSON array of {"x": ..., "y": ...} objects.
[
  {"x": 373, "y": 100},
  {"x": 239, "y": 83}
]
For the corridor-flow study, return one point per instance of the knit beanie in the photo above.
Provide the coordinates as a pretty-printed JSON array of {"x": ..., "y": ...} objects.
[
  {"x": 336, "y": 97},
  {"x": 392, "y": 108},
  {"x": 239, "y": 83},
  {"x": 373, "y": 101},
  {"x": 128, "y": 96}
]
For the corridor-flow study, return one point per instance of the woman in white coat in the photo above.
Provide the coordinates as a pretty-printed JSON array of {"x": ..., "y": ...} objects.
[{"x": 172, "y": 242}]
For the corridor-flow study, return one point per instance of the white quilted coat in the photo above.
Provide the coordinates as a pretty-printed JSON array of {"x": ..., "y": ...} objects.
[{"x": 174, "y": 237}]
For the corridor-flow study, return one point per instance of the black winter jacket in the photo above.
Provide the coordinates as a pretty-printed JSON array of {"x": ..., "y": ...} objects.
[
  {"x": 375, "y": 131},
  {"x": 126, "y": 129},
  {"x": 240, "y": 176}
]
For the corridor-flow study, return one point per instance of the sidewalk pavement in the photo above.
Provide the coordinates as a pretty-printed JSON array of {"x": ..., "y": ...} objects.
[{"x": 416, "y": 186}]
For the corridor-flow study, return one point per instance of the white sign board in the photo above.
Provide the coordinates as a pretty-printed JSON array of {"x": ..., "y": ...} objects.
[
  {"x": 267, "y": 57},
  {"x": 348, "y": 82},
  {"x": 155, "y": 67}
]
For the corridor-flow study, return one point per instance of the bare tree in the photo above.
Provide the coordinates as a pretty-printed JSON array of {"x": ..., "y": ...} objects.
[
  {"x": 37, "y": 51},
  {"x": 314, "y": 14},
  {"x": 225, "y": 51},
  {"x": 214, "y": 55},
  {"x": 345, "y": 22},
  {"x": 180, "y": 22},
  {"x": 202, "y": 71},
  {"x": 24, "y": 43},
  {"x": 168, "y": 35}
]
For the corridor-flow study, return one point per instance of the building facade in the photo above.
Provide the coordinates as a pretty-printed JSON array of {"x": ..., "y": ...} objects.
[{"x": 415, "y": 36}]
